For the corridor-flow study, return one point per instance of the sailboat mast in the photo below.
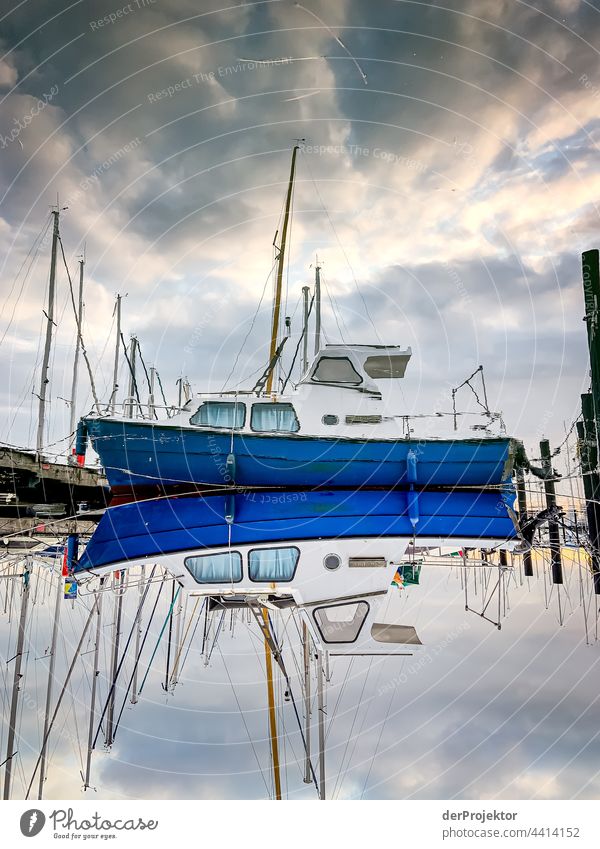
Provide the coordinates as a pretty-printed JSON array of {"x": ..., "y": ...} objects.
[
  {"x": 280, "y": 266},
  {"x": 95, "y": 673},
  {"x": 113, "y": 397},
  {"x": 305, "y": 294},
  {"x": 77, "y": 349},
  {"x": 272, "y": 716},
  {"x": 12, "y": 722},
  {"x": 48, "y": 342},
  {"x": 51, "y": 665},
  {"x": 132, "y": 391},
  {"x": 317, "y": 307},
  {"x": 307, "y": 723},
  {"x": 321, "y": 712}
]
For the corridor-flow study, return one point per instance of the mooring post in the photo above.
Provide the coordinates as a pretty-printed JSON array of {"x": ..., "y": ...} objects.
[
  {"x": 557, "y": 577},
  {"x": 588, "y": 451},
  {"x": 523, "y": 519},
  {"x": 590, "y": 269}
]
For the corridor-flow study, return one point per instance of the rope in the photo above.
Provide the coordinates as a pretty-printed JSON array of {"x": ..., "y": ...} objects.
[
  {"x": 123, "y": 656},
  {"x": 79, "y": 331},
  {"x": 250, "y": 329},
  {"x": 35, "y": 247},
  {"x": 302, "y": 335},
  {"x": 131, "y": 371},
  {"x": 262, "y": 775},
  {"x": 162, "y": 630}
]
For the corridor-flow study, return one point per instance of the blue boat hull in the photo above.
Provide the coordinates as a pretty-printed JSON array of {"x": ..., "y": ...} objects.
[
  {"x": 135, "y": 455},
  {"x": 167, "y": 525}
]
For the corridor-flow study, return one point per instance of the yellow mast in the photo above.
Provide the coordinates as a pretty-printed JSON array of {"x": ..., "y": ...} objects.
[
  {"x": 280, "y": 263},
  {"x": 272, "y": 719}
]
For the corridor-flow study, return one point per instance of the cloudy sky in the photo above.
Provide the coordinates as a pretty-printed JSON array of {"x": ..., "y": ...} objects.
[{"x": 448, "y": 184}]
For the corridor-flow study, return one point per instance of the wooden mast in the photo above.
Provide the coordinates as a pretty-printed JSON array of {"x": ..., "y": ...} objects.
[
  {"x": 272, "y": 717},
  {"x": 280, "y": 264},
  {"x": 269, "y": 386}
]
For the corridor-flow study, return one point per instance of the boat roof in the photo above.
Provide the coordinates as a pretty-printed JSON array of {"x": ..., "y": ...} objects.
[{"x": 357, "y": 366}]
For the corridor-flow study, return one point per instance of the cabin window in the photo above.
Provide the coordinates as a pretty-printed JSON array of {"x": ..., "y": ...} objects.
[
  {"x": 330, "y": 419},
  {"x": 229, "y": 414},
  {"x": 336, "y": 370},
  {"x": 215, "y": 568},
  {"x": 273, "y": 564},
  {"x": 386, "y": 366},
  {"x": 274, "y": 418},
  {"x": 341, "y": 623}
]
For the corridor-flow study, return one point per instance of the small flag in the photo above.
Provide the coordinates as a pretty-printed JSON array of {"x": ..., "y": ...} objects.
[
  {"x": 70, "y": 589},
  {"x": 398, "y": 580}
]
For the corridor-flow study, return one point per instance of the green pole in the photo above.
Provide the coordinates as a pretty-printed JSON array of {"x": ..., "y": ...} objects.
[
  {"x": 523, "y": 518},
  {"x": 557, "y": 577},
  {"x": 590, "y": 268},
  {"x": 588, "y": 451}
]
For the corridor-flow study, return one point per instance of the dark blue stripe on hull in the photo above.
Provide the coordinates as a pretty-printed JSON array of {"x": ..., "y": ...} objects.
[
  {"x": 136, "y": 455},
  {"x": 167, "y": 525}
]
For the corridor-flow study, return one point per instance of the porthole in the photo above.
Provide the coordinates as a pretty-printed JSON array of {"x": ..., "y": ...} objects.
[
  {"x": 332, "y": 562},
  {"x": 330, "y": 419}
]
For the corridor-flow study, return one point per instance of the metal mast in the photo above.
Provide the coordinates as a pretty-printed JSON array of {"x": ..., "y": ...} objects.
[
  {"x": 113, "y": 397},
  {"x": 95, "y": 673},
  {"x": 306, "y": 653},
  {"x": 305, "y": 293},
  {"x": 76, "y": 358},
  {"x": 317, "y": 307},
  {"x": 48, "y": 343},
  {"x": 59, "y": 592},
  {"x": 131, "y": 392},
  {"x": 10, "y": 753},
  {"x": 114, "y": 664},
  {"x": 321, "y": 712},
  {"x": 280, "y": 266}
]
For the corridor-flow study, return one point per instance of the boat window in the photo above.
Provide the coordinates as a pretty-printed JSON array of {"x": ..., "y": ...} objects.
[
  {"x": 332, "y": 562},
  {"x": 215, "y": 568},
  {"x": 229, "y": 414},
  {"x": 341, "y": 623},
  {"x": 386, "y": 365},
  {"x": 336, "y": 370},
  {"x": 273, "y": 564},
  {"x": 330, "y": 419},
  {"x": 274, "y": 418}
]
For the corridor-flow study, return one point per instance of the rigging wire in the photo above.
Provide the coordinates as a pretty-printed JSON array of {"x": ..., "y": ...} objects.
[
  {"x": 250, "y": 329},
  {"x": 131, "y": 370},
  {"x": 79, "y": 331},
  {"x": 243, "y": 718},
  {"x": 294, "y": 358},
  {"x": 345, "y": 255},
  {"x": 34, "y": 247}
]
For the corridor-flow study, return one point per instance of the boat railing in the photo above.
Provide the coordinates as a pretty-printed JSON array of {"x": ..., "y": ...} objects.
[{"x": 132, "y": 408}]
